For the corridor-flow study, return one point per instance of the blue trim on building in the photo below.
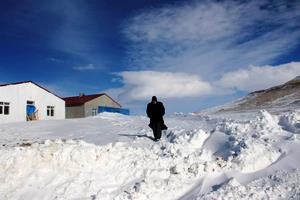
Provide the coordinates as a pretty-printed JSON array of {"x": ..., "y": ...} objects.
[{"x": 113, "y": 110}]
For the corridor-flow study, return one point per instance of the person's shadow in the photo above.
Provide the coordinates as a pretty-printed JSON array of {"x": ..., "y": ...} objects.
[{"x": 139, "y": 136}]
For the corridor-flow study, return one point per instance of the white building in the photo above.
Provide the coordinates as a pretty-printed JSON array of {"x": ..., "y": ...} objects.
[{"x": 26, "y": 101}]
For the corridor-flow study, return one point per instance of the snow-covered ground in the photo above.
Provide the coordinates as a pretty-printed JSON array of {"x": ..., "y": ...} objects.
[{"x": 112, "y": 156}]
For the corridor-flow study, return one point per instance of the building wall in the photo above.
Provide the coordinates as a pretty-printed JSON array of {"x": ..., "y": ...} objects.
[
  {"x": 18, "y": 95},
  {"x": 74, "y": 111},
  {"x": 103, "y": 100}
]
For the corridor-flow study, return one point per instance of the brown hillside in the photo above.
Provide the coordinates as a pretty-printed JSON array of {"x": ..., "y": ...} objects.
[{"x": 285, "y": 95}]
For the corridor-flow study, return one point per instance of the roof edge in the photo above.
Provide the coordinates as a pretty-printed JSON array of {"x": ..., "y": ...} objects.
[
  {"x": 113, "y": 100},
  {"x": 100, "y": 94},
  {"x": 23, "y": 82}
]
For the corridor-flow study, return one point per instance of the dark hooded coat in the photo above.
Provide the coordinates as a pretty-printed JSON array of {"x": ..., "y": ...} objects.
[{"x": 156, "y": 111}]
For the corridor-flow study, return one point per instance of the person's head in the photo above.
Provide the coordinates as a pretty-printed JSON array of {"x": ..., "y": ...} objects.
[{"x": 154, "y": 99}]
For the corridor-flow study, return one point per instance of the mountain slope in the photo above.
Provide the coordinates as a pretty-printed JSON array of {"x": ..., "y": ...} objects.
[{"x": 279, "y": 98}]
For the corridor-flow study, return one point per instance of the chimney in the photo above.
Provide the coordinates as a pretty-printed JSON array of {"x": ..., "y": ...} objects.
[{"x": 81, "y": 94}]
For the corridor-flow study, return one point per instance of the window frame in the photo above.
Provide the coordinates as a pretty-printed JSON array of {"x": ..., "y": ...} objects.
[
  {"x": 4, "y": 108},
  {"x": 50, "y": 111},
  {"x": 94, "y": 112}
]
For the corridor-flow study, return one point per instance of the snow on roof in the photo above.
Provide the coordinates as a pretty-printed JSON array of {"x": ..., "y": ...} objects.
[
  {"x": 82, "y": 99},
  {"x": 23, "y": 82}
]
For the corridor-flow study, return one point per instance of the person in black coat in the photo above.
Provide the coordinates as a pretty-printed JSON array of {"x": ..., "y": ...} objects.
[{"x": 156, "y": 111}]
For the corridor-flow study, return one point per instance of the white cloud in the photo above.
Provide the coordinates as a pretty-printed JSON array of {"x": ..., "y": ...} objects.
[
  {"x": 211, "y": 38},
  {"x": 257, "y": 78},
  {"x": 85, "y": 67},
  {"x": 141, "y": 85}
]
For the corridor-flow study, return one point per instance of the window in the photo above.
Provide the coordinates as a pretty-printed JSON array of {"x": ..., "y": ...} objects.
[
  {"x": 4, "y": 108},
  {"x": 50, "y": 111},
  {"x": 94, "y": 112}
]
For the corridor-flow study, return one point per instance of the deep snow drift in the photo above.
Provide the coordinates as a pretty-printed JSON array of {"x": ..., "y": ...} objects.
[{"x": 113, "y": 157}]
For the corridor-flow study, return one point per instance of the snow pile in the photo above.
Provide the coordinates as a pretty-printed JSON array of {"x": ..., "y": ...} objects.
[
  {"x": 186, "y": 141},
  {"x": 254, "y": 156},
  {"x": 77, "y": 168},
  {"x": 231, "y": 127},
  {"x": 267, "y": 124},
  {"x": 113, "y": 156},
  {"x": 58, "y": 166},
  {"x": 181, "y": 162},
  {"x": 291, "y": 122},
  {"x": 281, "y": 185},
  {"x": 249, "y": 146},
  {"x": 56, "y": 155},
  {"x": 250, "y": 154},
  {"x": 264, "y": 124}
]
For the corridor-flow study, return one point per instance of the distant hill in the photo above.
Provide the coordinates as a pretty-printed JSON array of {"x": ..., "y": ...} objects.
[{"x": 283, "y": 97}]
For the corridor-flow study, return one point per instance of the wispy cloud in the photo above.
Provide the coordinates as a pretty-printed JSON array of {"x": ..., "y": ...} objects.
[
  {"x": 56, "y": 60},
  {"x": 210, "y": 38},
  {"x": 57, "y": 89},
  {"x": 72, "y": 36},
  {"x": 88, "y": 67},
  {"x": 76, "y": 31}
]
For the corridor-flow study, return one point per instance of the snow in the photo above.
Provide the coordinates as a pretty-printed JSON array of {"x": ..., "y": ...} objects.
[
  {"x": 291, "y": 122},
  {"x": 112, "y": 156},
  {"x": 297, "y": 78},
  {"x": 281, "y": 185}
]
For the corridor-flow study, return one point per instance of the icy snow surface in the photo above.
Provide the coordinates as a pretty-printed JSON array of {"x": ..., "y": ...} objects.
[{"x": 113, "y": 156}]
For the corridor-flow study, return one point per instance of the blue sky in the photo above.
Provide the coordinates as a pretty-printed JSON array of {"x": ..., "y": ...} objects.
[{"x": 191, "y": 54}]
